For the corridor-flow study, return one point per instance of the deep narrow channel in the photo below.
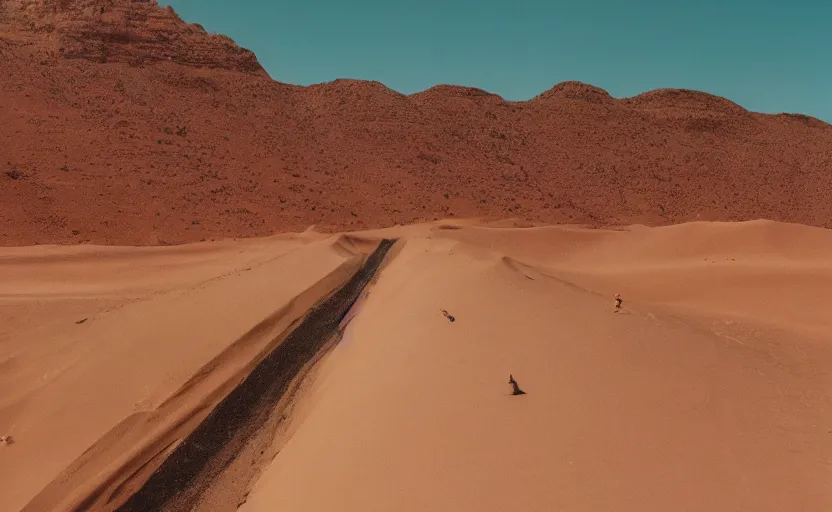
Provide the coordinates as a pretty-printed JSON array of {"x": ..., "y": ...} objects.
[{"x": 223, "y": 433}]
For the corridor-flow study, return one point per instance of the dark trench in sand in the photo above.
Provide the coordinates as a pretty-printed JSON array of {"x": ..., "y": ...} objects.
[{"x": 223, "y": 433}]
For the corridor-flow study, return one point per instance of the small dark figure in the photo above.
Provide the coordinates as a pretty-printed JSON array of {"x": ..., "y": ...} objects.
[
  {"x": 515, "y": 388},
  {"x": 449, "y": 317},
  {"x": 81, "y": 321},
  {"x": 618, "y": 301}
]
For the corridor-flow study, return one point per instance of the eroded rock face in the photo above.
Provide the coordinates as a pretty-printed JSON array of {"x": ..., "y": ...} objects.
[
  {"x": 121, "y": 124},
  {"x": 136, "y": 32}
]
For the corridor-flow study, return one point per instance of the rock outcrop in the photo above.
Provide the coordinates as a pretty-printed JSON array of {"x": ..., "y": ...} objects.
[
  {"x": 122, "y": 124},
  {"x": 134, "y": 32}
]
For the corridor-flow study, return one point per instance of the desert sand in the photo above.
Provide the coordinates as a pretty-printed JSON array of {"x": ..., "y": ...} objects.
[
  {"x": 709, "y": 390},
  {"x": 161, "y": 348}
]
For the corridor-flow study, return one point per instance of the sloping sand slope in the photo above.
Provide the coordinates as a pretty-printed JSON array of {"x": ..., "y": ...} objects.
[
  {"x": 710, "y": 390},
  {"x": 167, "y": 328},
  {"x": 654, "y": 408}
]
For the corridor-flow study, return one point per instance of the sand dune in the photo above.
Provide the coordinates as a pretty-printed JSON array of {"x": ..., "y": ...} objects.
[
  {"x": 709, "y": 391},
  {"x": 68, "y": 385}
]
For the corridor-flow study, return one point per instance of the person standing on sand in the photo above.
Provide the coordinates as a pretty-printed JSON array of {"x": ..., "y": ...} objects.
[
  {"x": 618, "y": 301},
  {"x": 514, "y": 386}
]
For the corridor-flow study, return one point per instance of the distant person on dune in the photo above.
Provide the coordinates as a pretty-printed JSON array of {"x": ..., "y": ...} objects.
[
  {"x": 618, "y": 301},
  {"x": 514, "y": 386}
]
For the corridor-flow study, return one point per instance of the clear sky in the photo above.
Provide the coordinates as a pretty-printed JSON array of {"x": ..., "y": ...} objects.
[{"x": 766, "y": 55}]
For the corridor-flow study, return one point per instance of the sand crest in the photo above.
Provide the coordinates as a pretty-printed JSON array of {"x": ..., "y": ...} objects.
[{"x": 709, "y": 390}]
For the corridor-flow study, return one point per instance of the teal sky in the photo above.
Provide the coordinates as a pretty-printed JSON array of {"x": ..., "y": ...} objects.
[{"x": 767, "y": 55}]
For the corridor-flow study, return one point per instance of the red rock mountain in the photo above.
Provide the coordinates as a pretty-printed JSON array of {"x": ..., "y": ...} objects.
[{"x": 122, "y": 124}]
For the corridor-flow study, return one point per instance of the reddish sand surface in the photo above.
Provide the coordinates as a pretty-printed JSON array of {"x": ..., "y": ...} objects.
[
  {"x": 709, "y": 390},
  {"x": 121, "y": 124},
  {"x": 126, "y": 130}
]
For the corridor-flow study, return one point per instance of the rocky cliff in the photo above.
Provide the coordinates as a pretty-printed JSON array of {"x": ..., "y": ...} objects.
[{"x": 122, "y": 124}]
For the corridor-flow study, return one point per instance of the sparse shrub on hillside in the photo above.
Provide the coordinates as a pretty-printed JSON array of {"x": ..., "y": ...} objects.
[{"x": 429, "y": 158}]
